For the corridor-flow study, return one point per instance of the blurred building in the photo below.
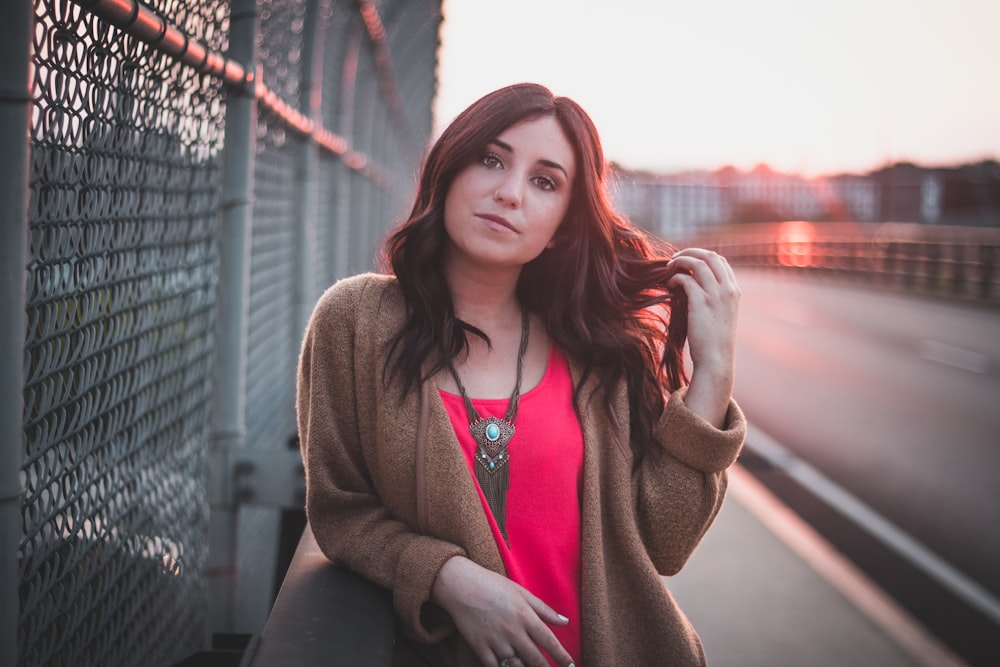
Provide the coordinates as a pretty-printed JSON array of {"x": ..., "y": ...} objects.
[
  {"x": 967, "y": 195},
  {"x": 679, "y": 204},
  {"x": 673, "y": 204}
]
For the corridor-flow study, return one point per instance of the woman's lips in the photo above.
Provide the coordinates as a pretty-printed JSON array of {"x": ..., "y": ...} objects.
[{"x": 497, "y": 220}]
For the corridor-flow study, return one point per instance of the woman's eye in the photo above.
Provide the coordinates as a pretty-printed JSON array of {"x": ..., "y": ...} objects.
[
  {"x": 491, "y": 160},
  {"x": 545, "y": 182}
]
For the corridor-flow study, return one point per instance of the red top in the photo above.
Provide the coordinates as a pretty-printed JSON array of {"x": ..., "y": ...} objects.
[{"x": 546, "y": 485}]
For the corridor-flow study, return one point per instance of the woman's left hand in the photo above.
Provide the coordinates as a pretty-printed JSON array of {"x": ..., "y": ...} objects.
[
  {"x": 713, "y": 298},
  {"x": 497, "y": 617}
]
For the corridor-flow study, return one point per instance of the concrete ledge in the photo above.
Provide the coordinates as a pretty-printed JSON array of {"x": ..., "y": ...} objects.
[{"x": 325, "y": 615}]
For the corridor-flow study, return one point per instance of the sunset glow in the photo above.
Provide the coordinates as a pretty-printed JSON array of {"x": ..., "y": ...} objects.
[
  {"x": 813, "y": 88},
  {"x": 795, "y": 239}
]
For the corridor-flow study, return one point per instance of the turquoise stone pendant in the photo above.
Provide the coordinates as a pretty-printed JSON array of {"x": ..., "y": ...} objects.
[
  {"x": 492, "y": 436},
  {"x": 492, "y": 432}
]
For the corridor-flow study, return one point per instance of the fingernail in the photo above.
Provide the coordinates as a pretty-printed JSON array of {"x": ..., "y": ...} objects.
[{"x": 564, "y": 620}]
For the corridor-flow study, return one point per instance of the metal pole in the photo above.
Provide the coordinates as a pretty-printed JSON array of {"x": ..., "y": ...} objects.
[
  {"x": 380, "y": 129},
  {"x": 367, "y": 101},
  {"x": 311, "y": 105},
  {"x": 15, "y": 101},
  {"x": 229, "y": 419},
  {"x": 345, "y": 122}
]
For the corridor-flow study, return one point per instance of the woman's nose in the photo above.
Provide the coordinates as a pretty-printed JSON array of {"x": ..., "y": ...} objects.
[{"x": 508, "y": 194}]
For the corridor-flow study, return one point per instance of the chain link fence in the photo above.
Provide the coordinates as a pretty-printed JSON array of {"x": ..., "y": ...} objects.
[{"x": 144, "y": 499}]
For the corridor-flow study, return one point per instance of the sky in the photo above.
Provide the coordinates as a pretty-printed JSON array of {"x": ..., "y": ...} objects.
[{"x": 806, "y": 86}]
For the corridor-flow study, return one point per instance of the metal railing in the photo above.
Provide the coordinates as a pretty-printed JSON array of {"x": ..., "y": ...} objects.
[
  {"x": 940, "y": 261},
  {"x": 324, "y": 615},
  {"x": 184, "y": 178}
]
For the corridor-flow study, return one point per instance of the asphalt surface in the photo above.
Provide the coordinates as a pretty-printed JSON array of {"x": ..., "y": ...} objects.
[{"x": 765, "y": 590}]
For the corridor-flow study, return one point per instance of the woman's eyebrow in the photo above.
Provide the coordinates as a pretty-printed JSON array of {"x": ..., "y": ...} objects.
[{"x": 548, "y": 163}]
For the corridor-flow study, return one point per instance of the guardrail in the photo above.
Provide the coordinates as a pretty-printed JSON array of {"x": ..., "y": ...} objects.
[
  {"x": 324, "y": 615},
  {"x": 950, "y": 262}
]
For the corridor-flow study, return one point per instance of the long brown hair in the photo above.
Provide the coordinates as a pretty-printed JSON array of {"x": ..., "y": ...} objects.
[{"x": 601, "y": 288}]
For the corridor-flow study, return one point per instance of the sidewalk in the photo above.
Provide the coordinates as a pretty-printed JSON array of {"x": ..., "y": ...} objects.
[{"x": 764, "y": 589}]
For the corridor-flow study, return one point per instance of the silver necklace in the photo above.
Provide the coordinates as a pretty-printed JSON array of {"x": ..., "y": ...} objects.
[{"x": 492, "y": 438}]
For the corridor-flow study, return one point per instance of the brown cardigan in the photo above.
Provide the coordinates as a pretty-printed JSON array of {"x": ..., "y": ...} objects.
[{"x": 389, "y": 494}]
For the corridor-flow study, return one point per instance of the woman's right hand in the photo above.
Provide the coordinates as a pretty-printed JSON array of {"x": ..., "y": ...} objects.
[{"x": 497, "y": 617}]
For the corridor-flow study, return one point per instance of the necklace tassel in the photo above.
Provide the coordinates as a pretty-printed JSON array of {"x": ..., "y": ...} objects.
[{"x": 494, "y": 484}]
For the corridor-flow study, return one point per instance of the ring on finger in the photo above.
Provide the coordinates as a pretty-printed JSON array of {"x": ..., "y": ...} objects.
[{"x": 510, "y": 661}]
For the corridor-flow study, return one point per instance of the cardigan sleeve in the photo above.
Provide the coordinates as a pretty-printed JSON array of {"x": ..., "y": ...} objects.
[
  {"x": 680, "y": 488},
  {"x": 351, "y": 524}
]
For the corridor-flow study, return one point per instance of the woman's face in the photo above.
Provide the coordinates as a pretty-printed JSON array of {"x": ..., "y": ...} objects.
[{"x": 503, "y": 209}]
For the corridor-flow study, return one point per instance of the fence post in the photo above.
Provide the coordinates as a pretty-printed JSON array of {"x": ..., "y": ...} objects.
[
  {"x": 346, "y": 191},
  {"x": 366, "y": 109},
  {"x": 15, "y": 101},
  {"x": 229, "y": 419},
  {"x": 307, "y": 168}
]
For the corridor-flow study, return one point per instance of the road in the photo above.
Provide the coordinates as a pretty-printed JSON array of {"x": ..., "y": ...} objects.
[{"x": 895, "y": 400}]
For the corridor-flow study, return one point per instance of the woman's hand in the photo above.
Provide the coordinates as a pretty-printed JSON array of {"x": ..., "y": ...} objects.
[
  {"x": 497, "y": 617},
  {"x": 713, "y": 303}
]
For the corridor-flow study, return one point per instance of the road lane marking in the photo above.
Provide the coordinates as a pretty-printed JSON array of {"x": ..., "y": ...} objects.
[
  {"x": 952, "y": 355},
  {"x": 874, "y": 523}
]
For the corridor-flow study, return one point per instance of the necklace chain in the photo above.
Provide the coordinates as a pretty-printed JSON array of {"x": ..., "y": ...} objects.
[{"x": 511, "y": 414}]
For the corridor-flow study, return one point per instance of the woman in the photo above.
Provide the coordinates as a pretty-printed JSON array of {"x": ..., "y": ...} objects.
[{"x": 502, "y": 432}]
